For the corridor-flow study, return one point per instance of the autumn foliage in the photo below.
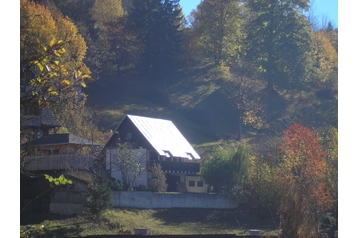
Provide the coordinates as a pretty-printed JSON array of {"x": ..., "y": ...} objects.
[{"x": 301, "y": 177}]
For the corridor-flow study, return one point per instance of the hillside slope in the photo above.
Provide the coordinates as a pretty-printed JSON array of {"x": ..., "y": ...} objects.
[{"x": 199, "y": 107}]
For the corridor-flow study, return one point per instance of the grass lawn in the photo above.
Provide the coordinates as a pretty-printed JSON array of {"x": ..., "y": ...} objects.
[{"x": 158, "y": 221}]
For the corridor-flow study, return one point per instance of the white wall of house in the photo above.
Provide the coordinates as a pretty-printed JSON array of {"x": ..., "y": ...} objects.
[
  {"x": 141, "y": 157},
  {"x": 195, "y": 184}
]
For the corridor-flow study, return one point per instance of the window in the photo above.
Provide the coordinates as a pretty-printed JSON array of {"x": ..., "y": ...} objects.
[
  {"x": 200, "y": 183},
  {"x": 191, "y": 183}
]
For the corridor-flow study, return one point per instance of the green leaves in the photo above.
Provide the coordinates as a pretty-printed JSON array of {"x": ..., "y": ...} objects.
[
  {"x": 279, "y": 41},
  {"x": 61, "y": 180}
]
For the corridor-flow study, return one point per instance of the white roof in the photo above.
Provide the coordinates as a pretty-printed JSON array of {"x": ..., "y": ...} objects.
[{"x": 164, "y": 136}]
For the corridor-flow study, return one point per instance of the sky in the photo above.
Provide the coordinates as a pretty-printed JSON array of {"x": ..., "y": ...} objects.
[{"x": 323, "y": 9}]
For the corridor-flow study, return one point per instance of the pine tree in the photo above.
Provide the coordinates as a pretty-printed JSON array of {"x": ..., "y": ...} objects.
[
  {"x": 99, "y": 195},
  {"x": 157, "y": 26}
]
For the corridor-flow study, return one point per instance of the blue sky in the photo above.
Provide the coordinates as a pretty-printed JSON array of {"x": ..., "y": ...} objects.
[{"x": 323, "y": 9}]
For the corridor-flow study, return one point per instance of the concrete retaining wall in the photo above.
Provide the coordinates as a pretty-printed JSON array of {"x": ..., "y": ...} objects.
[{"x": 151, "y": 200}]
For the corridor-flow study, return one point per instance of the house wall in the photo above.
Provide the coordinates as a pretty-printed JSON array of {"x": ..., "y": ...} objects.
[
  {"x": 150, "y": 200},
  {"x": 190, "y": 180}
]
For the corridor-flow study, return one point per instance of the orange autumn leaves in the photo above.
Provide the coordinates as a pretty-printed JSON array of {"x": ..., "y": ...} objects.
[
  {"x": 304, "y": 166},
  {"x": 301, "y": 178}
]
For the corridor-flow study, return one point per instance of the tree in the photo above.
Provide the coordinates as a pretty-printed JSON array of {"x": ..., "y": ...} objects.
[
  {"x": 330, "y": 143},
  {"x": 157, "y": 26},
  {"x": 247, "y": 95},
  {"x": 51, "y": 57},
  {"x": 301, "y": 178},
  {"x": 109, "y": 22},
  {"x": 158, "y": 180},
  {"x": 99, "y": 195},
  {"x": 227, "y": 169},
  {"x": 37, "y": 24},
  {"x": 78, "y": 12},
  {"x": 218, "y": 27},
  {"x": 325, "y": 61},
  {"x": 51, "y": 67},
  {"x": 279, "y": 41},
  {"x": 129, "y": 162}
]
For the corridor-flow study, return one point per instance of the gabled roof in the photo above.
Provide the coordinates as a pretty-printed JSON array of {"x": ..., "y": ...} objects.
[
  {"x": 164, "y": 136},
  {"x": 58, "y": 139}
]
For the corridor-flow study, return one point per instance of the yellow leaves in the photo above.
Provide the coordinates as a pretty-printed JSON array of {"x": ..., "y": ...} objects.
[
  {"x": 66, "y": 82},
  {"x": 52, "y": 43},
  {"x": 83, "y": 84},
  {"x": 44, "y": 39},
  {"x": 325, "y": 55},
  {"x": 52, "y": 91},
  {"x": 40, "y": 67}
]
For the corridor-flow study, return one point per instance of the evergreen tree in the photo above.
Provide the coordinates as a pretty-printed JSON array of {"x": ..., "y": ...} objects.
[
  {"x": 99, "y": 195},
  {"x": 157, "y": 25}
]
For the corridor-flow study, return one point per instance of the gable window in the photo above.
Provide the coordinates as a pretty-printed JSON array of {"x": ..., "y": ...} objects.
[{"x": 191, "y": 183}]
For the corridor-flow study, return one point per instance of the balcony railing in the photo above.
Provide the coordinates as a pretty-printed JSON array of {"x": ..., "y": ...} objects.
[
  {"x": 57, "y": 162},
  {"x": 177, "y": 167}
]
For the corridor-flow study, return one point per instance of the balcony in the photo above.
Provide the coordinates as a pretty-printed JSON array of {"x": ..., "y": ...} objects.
[
  {"x": 57, "y": 162},
  {"x": 177, "y": 167}
]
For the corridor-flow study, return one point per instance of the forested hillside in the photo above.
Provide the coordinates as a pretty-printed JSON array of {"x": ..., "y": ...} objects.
[{"x": 257, "y": 73}]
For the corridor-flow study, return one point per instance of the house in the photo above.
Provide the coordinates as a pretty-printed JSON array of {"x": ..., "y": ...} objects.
[
  {"x": 46, "y": 152},
  {"x": 157, "y": 141}
]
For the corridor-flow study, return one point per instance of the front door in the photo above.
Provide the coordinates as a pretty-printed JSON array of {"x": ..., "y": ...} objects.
[{"x": 172, "y": 181}]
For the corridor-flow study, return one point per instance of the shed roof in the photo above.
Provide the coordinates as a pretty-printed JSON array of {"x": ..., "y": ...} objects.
[{"x": 164, "y": 136}]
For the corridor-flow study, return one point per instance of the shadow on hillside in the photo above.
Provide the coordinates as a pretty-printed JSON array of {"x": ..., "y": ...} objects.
[{"x": 276, "y": 105}]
